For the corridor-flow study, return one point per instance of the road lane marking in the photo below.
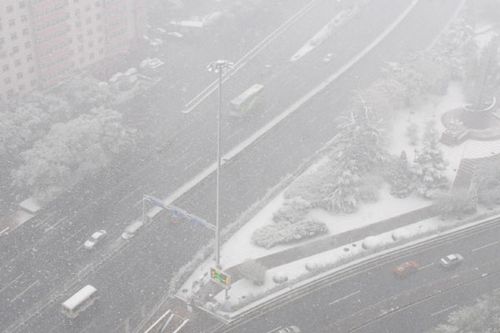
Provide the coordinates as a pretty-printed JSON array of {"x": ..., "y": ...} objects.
[
  {"x": 287, "y": 112},
  {"x": 55, "y": 224},
  {"x": 4, "y": 230},
  {"x": 275, "y": 329},
  {"x": 484, "y": 246},
  {"x": 345, "y": 297},
  {"x": 24, "y": 291},
  {"x": 11, "y": 282},
  {"x": 207, "y": 91},
  {"x": 426, "y": 266},
  {"x": 444, "y": 310},
  {"x": 73, "y": 235}
]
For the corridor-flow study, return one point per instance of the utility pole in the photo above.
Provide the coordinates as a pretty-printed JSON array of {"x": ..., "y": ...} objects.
[{"x": 219, "y": 67}]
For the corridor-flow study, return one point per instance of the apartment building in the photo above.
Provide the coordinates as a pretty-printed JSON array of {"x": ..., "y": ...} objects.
[{"x": 44, "y": 41}]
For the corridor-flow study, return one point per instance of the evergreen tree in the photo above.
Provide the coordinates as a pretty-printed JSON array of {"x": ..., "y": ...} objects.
[
  {"x": 430, "y": 165},
  {"x": 358, "y": 150},
  {"x": 400, "y": 177}
]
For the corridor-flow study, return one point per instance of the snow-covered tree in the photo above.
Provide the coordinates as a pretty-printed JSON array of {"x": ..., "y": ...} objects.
[
  {"x": 27, "y": 121},
  {"x": 84, "y": 93},
  {"x": 357, "y": 151},
  {"x": 429, "y": 167},
  {"x": 410, "y": 78},
  {"x": 400, "y": 177},
  {"x": 72, "y": 151},
  {"x": 481, "y": 317}
]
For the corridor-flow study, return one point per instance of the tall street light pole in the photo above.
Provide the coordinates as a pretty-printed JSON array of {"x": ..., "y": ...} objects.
[{"x": 219, "y": 67}]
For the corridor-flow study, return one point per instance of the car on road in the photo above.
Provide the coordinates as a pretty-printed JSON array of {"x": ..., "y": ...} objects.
[
  {"x": 95, "y": 239},
  {"x": 405, "y": 269},
  {"x": 328, "y": 57},
  {"x": 451, "y": 260},
  {"x": 132, "y": 229},
  {"x": 175, "y": 34},
  {"x": 290, "y": 329}
]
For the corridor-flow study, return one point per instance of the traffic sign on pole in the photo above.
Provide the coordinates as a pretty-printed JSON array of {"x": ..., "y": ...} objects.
[{"x": 220, "y": 277}]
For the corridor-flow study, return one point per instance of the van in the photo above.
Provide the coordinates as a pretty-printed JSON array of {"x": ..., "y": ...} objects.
[{"x": 132, "y": 229}]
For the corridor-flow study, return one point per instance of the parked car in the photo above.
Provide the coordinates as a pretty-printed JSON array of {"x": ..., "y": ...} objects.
[
  {"x": 290, "y": 329},
  {"x": 94, "y": 239},
  {"x": 405, "y": 269},
  {"x": 132, "y": 229},
  {"x": 451, "y": 260}
]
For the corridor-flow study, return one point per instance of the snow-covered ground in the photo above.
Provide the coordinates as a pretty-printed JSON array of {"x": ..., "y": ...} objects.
[
  {"x": 240, "y": 247},
  {"x": 386, "y": 207},
  {"x": 294, "y": 271}
]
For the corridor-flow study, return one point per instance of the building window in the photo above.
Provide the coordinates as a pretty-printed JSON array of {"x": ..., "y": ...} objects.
[{"x": 5, "y": 68}]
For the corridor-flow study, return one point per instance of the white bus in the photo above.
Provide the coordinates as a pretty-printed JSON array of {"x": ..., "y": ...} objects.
[
  {"x": 246, "y": 100},
  {"x": 80, "y": 301}
]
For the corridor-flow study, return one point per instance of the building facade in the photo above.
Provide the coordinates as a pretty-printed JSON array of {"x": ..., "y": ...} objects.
[{"x": 44, "y": 41}]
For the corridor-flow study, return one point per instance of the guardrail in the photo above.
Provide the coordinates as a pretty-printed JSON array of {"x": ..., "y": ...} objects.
[{"x": 354, "y": 268}]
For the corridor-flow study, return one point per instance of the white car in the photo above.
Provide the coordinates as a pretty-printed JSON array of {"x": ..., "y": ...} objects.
[
  {"x": 290, "y": 329},
  {"x": 175, "y": 34},
  {"x": 451, "y": 260},
  {"x": 132, "y": 229},
  {"x": 94, "y": 239},
  {"x": 328, "y": 57}
]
